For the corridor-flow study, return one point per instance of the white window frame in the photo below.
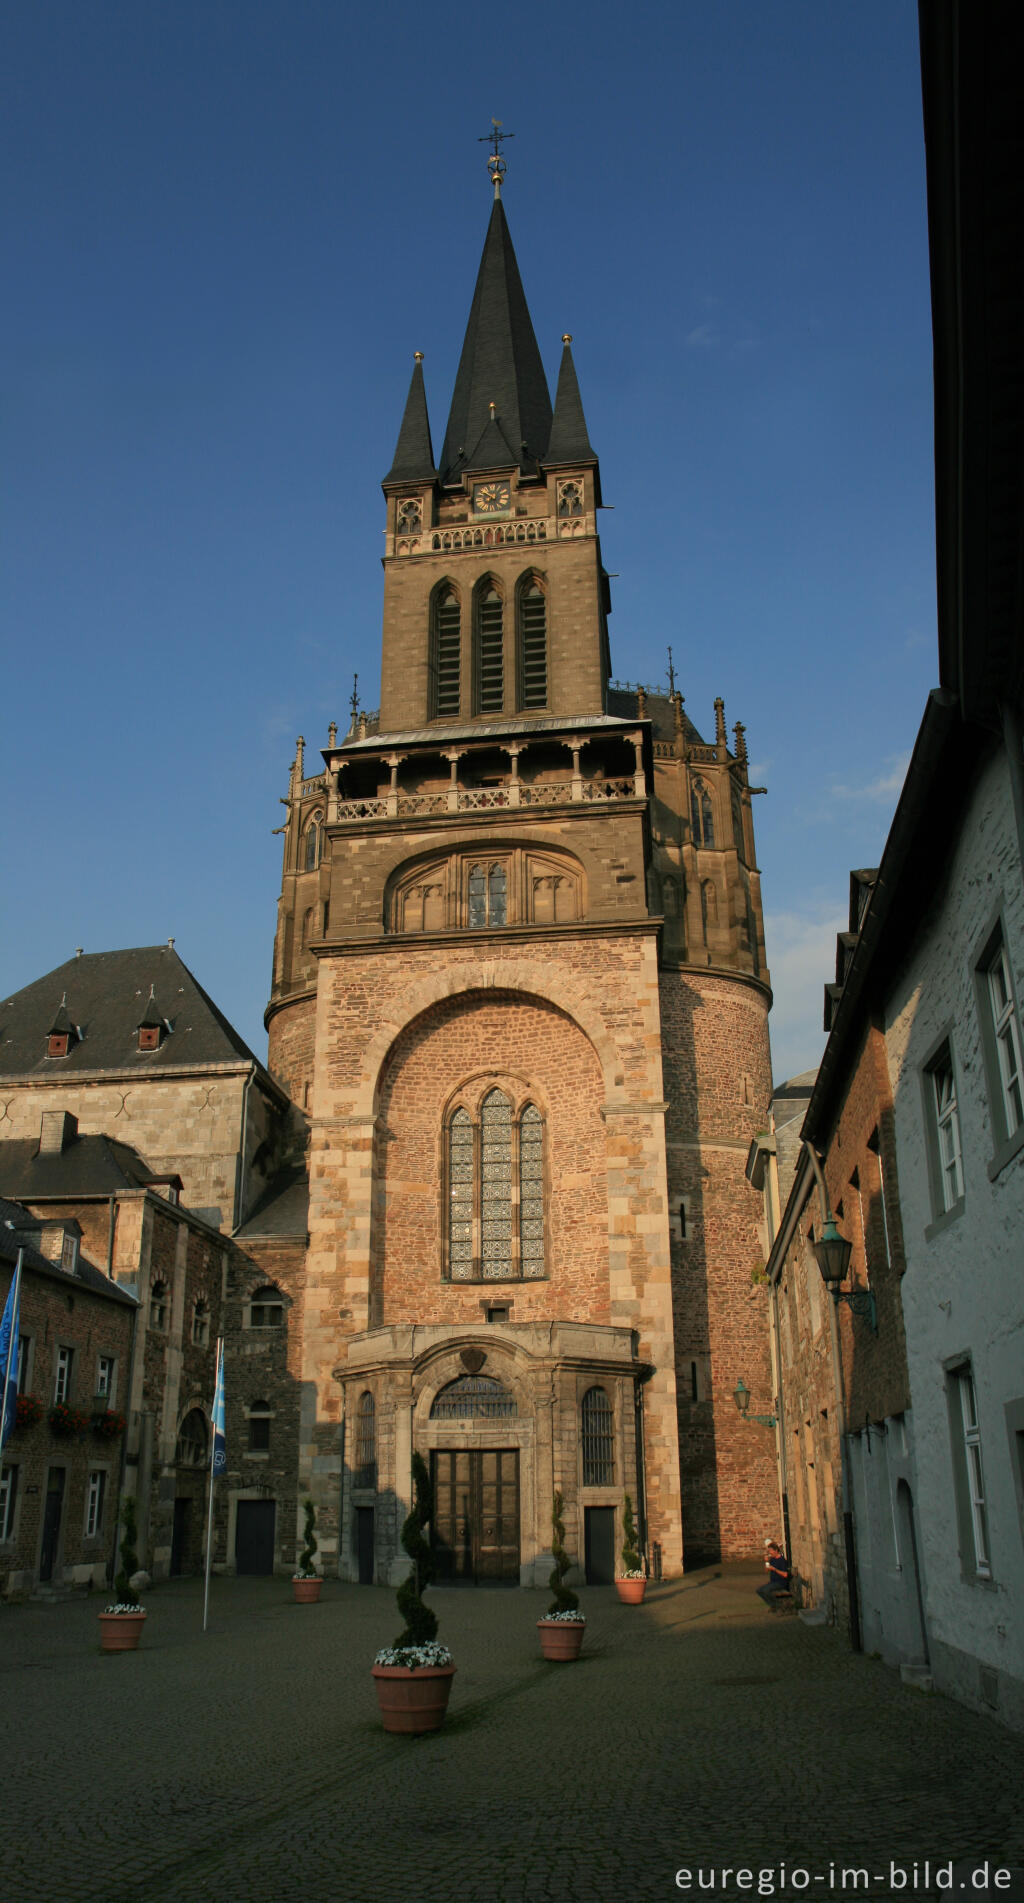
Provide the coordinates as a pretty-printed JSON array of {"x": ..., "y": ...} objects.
[
  {"x": 8, "y": 1500},
  {"x": 1006, "y": 1036},
  {"x": 69, "y": 1252},
  {"x": 63, "y": 1364},
  {"x": 943, "y": 1113},
  {"x": 106, "y": 1364},
  {"x": 975, "y": 1472},
  {"x": 95, "y": 1500}
]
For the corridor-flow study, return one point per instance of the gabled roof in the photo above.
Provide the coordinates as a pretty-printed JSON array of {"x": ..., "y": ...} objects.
[
  {"x": 500, "y": 364},
  {"x": 107, "y": 993},
  {"x": 414, "y": 453},
  {"x": 283, "y": 1210},
  {"x": 86, "y": 1166}
]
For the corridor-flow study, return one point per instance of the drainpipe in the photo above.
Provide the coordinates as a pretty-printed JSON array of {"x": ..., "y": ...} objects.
[
  {"x": 111, "y": 1226},
  {"x": 641, "y": 1475},
  {"x": 240, "y": 1179},
  {"x": 123, "y": 1469},
  {"x": 837, "y": 1377}
]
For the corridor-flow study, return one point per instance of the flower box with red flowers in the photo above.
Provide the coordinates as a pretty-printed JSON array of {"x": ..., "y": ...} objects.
[
  {"x": 29, "y": 1410},
  {"x": 67, "y": 1421},
  {"x": 107, "y": 1423}
]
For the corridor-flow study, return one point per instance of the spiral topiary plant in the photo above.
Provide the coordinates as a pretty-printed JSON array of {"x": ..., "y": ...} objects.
[
  {"x": 127, "y": 1597},
  {"x": 306, "y": 1568},
  {"x": 632, "y": 1567},
  {"x": 565, "y": 1602},
  {"x": 420, "y": 1621}
]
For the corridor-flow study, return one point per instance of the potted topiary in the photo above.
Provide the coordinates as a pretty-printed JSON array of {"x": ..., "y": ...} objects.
[
  {"x": 632, "y": 1581},
  {"x": 414, "y": 1676},
  {"x": 306, "y": 1583},
  {"x": 121, "y": 1624},
  {"x": 561, "y": 1629}
]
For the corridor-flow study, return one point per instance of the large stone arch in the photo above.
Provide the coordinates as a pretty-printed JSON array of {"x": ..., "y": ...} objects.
[{"x": 512, "y": 975}]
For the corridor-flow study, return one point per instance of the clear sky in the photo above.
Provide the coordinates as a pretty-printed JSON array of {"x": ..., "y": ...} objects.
[{"x": 229, "y": 224}]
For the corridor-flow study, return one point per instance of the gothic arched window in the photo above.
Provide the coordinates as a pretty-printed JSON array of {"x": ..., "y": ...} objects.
[
  {"x": 495, "y": 1192},
  {"x": 313, "y": 843},
  {"x": 598, "y": 1439},
  {"x": 489, "y": 651},
  {"x": 488, "y": 897},
  {"x": 445, "y": 655},
  {"x": 193, "y": 1442},
  {"x": 702, "y": 818},
  {"x": 533, "y": 645},
  {"x": 366, "y": 1442}
]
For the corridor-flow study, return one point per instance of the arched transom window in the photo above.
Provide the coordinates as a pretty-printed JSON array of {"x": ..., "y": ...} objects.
[
  {"x": 495, "y": 1192},
  {"x": 193, "y": 1442},
  {"x": 598, "y": 1439},
  {"x": 474, "y": 1397}
]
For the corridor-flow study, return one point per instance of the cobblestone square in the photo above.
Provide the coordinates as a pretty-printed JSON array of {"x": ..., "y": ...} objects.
[{"x": 695, "y": 1733}]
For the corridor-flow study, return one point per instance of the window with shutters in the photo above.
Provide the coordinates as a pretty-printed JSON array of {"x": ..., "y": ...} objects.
[{"x": 494, "y": 1191}]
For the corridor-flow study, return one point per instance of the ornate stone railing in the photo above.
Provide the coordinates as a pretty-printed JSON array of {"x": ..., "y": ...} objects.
[
  {"x": 315, "y": 785},
  {"x": 475, "y": 799},
  {"x": 520, "y": 532}
]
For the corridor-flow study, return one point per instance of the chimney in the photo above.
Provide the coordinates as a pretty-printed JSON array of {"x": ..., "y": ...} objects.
[{"x": 57, "y": 1130}]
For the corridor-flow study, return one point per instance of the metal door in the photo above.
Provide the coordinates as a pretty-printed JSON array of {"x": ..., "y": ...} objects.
[
  {"x": 254, "y": 1536},
  {"x": 476, "y": 1514},
  {"x": 52, "y": 1513},
  {"x": 599, "y": 1545}
]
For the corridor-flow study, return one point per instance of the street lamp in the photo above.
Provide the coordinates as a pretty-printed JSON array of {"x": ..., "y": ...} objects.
[
  {"x": 741, "y": 1396},
  {"x": 832, "y": 1253}
]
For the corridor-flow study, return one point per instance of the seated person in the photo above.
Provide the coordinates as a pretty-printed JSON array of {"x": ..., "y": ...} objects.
[{"x": 778, "y": 1574}]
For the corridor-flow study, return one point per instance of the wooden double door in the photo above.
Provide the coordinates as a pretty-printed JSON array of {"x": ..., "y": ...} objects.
[{"x": 476, "y": 1514}]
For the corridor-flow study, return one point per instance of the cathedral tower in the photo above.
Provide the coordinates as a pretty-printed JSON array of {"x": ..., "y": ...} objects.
[{"x": 519, "y": 988}]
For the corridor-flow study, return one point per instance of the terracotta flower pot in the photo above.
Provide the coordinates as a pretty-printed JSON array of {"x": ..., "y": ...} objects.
[
  {"x": 307, "y": 1591},
  {"x": 561, "y": 1638},
  {"x": 121, "y": 1631},
  {"x": 631, "y": 1591},
  {"x": 413, "y": 1699}
]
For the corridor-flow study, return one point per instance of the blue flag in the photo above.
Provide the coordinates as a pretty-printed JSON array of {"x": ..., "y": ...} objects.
[
  {"x": 9, "y": 1354},
  {"x": 220, "y": 1449}
]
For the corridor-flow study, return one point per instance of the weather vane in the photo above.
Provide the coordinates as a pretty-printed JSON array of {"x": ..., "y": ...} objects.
[
  {"x": 354, "y": 702},
  {"x": 496, "y": 164}
]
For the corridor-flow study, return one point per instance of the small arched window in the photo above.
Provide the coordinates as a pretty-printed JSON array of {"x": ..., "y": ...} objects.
[
  {"x": 445, "y": 656},
  {"x": 193, "y": 1440},
  {"x": 313, "y": 843},
  {"x": 366, "y": 1442},
  {"x": 307, "y": 926},
  {"x": 489, "y": 655},
  {"x": 266, "y": 1309},
  {"x": 158, "y": 1306},
  {"x": 201, "y": 1323},
  {"x": 533, "y": 646},
  {"x": 259, "y": 1427},
  {"x": 598, "y": 1439},
  {"x": 702, "y": 818}
]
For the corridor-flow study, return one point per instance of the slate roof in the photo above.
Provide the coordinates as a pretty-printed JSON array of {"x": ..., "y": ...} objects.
[
  {"x": 18, "y": 1223},
  {"x": 283, "y": 1210},
  {"x": 568, "y": 442},
  {"x": 500, "y": 364},
  {"x": 107, "y": 994},
  {"x": 659, "y": 711},
  {"x": 483, "y": 730},
  {"x": 86, "y": 1166},
  {"x": 414, "y": 454}
]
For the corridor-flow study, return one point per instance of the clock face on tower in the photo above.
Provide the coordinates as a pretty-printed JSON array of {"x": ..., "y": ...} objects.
[{"x": 491, "y": 498}]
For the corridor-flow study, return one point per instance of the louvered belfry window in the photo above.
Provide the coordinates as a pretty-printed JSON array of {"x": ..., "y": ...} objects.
[
  {"x": 598, "y": 1439},
  {"x": 490, "y": 655},
  {"x": 446, "y": 655},
  {"x": 533, "y": 639},
  {"x": 495, "y": 1164}
]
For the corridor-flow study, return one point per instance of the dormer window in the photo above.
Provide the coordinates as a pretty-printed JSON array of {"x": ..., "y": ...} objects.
[
  {"x": 58, "y": 1044},
  {"x": 63, "y": 1033},
  {"x": 149, "y": 1037}
]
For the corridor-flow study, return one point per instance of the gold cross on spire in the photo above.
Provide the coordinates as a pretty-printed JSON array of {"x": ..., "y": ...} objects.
[{"x": 496, "y": 164}]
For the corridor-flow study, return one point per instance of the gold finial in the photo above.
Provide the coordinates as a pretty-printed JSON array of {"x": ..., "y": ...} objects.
[
  {"x": 493, "y": 409},
  {"x": 567, "y": 336},
  {"x": 418, "y": 356},
  {"x": 496, "y": 164}
]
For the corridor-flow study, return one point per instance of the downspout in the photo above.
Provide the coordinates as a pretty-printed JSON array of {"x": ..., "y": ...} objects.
[
  {"x": 122, "y": 1472},
  {"x": 837, "y": 1378},
  {"x": 641, "y": 1465},
  {"x": 240, "y": 1178},
  {"x": 111, "y": 1227}
]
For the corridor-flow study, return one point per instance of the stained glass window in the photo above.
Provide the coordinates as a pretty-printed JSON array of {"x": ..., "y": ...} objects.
[
  {"x": 495, "y": 1234},
  {"x": 531, "y": 1191},
  {"x": 460, "y": 1197},
  {"x": 496, "y": 1186}
]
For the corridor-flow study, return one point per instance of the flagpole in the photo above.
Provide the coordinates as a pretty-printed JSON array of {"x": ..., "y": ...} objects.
[
  {"x": 11, "y": 1309},
  {"x": 213, "y": 1455}
]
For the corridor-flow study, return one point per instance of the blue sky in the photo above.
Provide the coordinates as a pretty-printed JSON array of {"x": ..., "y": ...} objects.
[{"x": 227, "y": 228}]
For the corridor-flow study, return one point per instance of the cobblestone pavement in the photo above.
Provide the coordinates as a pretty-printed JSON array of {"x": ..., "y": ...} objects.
[{"x": 696, "y": 1732}]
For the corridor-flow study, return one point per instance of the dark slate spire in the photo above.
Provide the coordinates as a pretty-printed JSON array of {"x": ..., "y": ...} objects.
[
  {"x": 569, "y": 442},
  {"x": 500, "y": 364},
  {"x": 414, "y": 454}
]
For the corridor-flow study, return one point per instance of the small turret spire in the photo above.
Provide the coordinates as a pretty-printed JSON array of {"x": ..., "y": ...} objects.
[
  {"x": 414, "y": 454},
  {"x": 496, "y": 165}
]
